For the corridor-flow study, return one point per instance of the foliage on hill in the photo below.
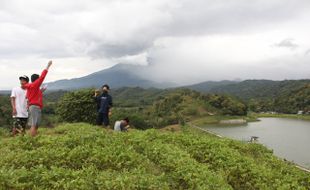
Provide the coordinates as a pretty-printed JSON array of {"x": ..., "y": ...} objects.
[
  {"x": 183, "y": 105},
  {"x": 81, "y": 156},
  {"x": 159, "y": 108},
  {"x": 77, "y": 106},
  {"x": 260, "y": 89},
  {"x": 286, "y": 96},
  {"x": 136, "y": 96},
  {"x": 5, "y": 111},
  {"x": 293, "y": 102},
  {"x": 290, "y": 102}
]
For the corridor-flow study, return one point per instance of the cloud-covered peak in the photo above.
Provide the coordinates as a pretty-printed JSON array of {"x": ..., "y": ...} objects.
[{"x": 194, "y": 39}]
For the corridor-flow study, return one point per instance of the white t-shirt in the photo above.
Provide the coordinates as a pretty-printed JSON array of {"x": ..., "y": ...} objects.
[
  {"x": 117, "y": 126},
  {"x": 20, "y": 102}
]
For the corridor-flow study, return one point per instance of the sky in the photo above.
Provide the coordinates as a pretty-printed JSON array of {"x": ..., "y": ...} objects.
[{"x": 179, "y": 41}]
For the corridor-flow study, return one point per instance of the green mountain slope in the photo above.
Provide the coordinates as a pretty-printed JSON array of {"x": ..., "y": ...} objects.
[{"x": 260, "y": 89}]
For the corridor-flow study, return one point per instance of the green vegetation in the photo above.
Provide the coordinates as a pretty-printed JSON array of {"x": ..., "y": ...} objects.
[
  {"x": 5, "y": 111},
  {"x": 81, "y": 156},
  {"x": 260, "y": 89},
  {"x": 217, "y": 118},
  {"x": 290, "y": 103},
  {"x": 289, "y": 96},
  {"x": 150, "y": 109},
  {"x": 290, "y": 116},
  {"x": 77, "y": 106}
]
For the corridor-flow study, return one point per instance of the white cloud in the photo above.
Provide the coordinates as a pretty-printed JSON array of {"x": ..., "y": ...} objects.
[{"x": 195, "y": 39}]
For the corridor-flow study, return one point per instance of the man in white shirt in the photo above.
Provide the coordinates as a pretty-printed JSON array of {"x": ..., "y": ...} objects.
[
  {"x": 19, "y": 107},
  {"x": 122, "y": 125}
]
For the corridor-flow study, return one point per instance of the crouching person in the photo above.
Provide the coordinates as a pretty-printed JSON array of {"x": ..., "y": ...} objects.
[{"x": 122, "y": 125}]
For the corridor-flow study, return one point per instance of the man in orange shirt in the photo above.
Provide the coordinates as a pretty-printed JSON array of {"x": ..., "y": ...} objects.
[{"x": 35, "y": 99}]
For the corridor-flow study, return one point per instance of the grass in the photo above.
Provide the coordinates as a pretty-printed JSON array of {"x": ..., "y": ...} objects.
[
  {"x": 217, "y": 118},
  {"x": 252, "y": 117},
  {"x": 290, "y": 116},
  {"x": 81, "y": 156}
]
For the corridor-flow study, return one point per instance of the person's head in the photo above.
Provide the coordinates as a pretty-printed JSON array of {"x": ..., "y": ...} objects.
[
  {"x": 105, "y": 88},
  {"x": 126, "y": 121},
  {"x": 23, "y": 80},
  {"x": 34, "y": 77}
]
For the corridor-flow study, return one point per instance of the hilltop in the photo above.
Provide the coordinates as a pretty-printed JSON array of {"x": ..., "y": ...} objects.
[{"x": 82, "y": 156}]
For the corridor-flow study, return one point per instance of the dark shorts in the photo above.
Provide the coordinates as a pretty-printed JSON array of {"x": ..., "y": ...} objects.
[
  {"x": 20, "y": 124},
  {"x": 103, "y": 119}
]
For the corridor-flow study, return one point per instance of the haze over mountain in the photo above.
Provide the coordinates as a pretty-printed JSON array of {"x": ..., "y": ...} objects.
[
  {"x": 125, "y": 75},
  {"x": 121, "y": 75}
]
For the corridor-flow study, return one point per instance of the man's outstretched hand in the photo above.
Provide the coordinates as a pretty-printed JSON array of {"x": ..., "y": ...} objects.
[
  {"x": 97, "y": 92},
  {"x": 49, "y": 64}
]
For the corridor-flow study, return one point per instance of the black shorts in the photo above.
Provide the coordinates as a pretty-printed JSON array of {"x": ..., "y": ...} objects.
[
  {"x": 20, "y": 124},
  {"x": 103, "y": 119}
]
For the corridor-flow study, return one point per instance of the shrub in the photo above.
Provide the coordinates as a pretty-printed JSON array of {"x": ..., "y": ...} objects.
[{"x": 77, "y": 106}]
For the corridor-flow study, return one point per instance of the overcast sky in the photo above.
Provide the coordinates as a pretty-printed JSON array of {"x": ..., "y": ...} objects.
[{"x": 183, "y": 41}]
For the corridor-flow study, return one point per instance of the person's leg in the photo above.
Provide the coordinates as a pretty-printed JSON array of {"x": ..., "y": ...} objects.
[
  {"x": 99, "y": 119},
  {"x": 24, "y": 125},
  {"x": 14, "y": 131},
  {"x": 19, "y": 126},
  {"x": 106, "y": 120},
  {"x": 35, "y": 118}
]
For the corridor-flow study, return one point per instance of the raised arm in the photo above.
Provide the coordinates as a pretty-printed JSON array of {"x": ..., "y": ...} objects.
[
  {"x": 50, "y": 63},
  {"x": 40, "y": 80}
]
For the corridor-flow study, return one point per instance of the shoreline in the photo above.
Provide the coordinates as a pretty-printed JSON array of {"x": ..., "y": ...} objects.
[
  {"x": 217, "y": 135},
  {"x": 279, "y": 115}
]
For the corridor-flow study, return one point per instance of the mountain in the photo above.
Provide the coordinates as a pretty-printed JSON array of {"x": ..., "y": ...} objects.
[
  {"x": 209, "y": 85},
  {"x": 251, "y": 89},
  {"x": 124, "y": 75},
  {"x": 5, "y": 92},
  {"x": 121, "y": 75}
]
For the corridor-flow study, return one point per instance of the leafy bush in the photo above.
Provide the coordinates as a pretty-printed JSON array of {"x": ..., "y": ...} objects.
[
  {"x": 77, "y": 106},
  {"x": 5, "y": 111},
  {"x": 227, "y": 105}
]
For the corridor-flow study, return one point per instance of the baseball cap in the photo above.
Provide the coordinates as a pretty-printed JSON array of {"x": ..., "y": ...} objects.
[{"x": 24, "y": 77}]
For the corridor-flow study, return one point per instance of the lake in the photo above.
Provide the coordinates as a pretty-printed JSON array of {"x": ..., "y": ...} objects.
[{"x": 288, "y": 138}]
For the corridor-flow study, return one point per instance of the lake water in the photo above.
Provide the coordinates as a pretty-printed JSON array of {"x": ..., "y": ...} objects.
[{"x": 288, "y": 138}]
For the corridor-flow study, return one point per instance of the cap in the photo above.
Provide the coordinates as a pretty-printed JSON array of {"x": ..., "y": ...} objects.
[{"x": 24, "y": 77}]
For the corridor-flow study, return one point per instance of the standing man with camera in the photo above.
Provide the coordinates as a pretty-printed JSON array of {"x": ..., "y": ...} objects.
[{"x": 104, "y": 106}]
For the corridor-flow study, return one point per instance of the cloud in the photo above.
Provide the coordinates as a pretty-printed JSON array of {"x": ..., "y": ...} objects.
[
  {"x": 120, "y": 28},
  {"x": 287, "y": 43},
  {"x": 194, "y": 39},
  {"x": 222, "y": 57}
]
